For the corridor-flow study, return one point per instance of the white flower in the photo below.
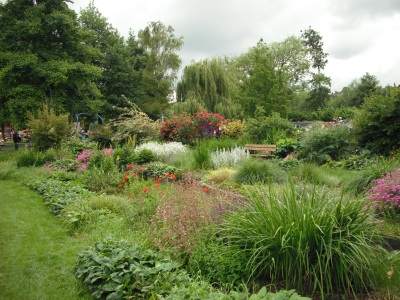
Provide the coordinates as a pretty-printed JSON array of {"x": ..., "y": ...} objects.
[
  {"x": 228, "y": 158},
  {"x": 163, "y": 151}
]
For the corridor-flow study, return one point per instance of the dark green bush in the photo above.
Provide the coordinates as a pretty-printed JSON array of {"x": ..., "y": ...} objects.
[
  {"x": 285, "y": 146},
  {"x": 123, "y": 156},
  {"x": 102, "y": 136},
  {"x": 376, "y": 125},
  {"x": 322, "y": 144},
  {"x": 144, "y": 156}
]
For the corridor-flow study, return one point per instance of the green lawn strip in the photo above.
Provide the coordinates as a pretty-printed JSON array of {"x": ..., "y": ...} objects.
[{"x": 37, "y": 257}]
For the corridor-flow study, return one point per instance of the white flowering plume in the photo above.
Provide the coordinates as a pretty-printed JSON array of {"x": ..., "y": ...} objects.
[
  {"x": 228, "y": 158},
  {"x": 163, "y": 151}
]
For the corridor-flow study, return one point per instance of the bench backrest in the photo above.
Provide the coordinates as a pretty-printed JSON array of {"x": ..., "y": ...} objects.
[{"x": 260, "y": 147}]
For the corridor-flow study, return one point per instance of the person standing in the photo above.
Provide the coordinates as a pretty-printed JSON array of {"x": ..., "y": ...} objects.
[{"x": 16, "y": 139}]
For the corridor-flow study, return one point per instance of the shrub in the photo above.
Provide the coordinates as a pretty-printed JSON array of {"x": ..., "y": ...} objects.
[
  {"x": 102, "y": 159},
  {"x": 133, "y": 123},
  {"x": 117, "y": 270},
  {"x": 144, "y": 156},
  {"x": 158, "y": 170},
  {"x": 102, "y": 136},
  {"x": 48, "y": 128},
  {"x": 384, "y": 193},
  {"x": 234, "y": 129},
  {"x": 179, "y": 129},
  {"x": 311, "y": 240},
  {"x": 123, "y": 156},
  {"x": 187, "y": 129},
  {"x": 320, "y": 144},
  {"x": 253, "y": 171},
  {"x": 375, "y": 125},
  {"x": 286, "y": 146},
  {"x": 267, "y": 130}
]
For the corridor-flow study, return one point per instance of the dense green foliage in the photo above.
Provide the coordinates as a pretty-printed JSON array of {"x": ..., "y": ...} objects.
[
  {"x": 322, "y": 144},
  {"x": 376, "y": 125},
  {"x": 43, "y": 59}
]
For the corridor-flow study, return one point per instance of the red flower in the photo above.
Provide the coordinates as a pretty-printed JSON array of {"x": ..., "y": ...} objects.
[
  {"x": 205, "y": 190},
  {"x": 130, "y": 167},
  {"x": 120, "y": 186}
]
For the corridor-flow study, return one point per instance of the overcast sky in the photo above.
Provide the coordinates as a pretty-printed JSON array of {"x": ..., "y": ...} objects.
[{"x": 360, "y": 36}]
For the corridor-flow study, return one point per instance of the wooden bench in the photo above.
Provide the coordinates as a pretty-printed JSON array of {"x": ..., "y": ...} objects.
[{"x": 258, "y": 150}]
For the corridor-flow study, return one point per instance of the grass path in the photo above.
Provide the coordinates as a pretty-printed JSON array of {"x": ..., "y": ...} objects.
[{"x": 37, "y": 256}]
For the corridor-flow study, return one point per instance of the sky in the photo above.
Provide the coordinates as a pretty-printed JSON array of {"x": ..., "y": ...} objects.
[{"x": 360, "y": 36}]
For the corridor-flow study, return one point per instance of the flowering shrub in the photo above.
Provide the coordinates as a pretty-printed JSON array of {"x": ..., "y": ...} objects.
[
  {"x": 186, "y": 128},
  {"x": 385, "y": 193},
  {"x": 208, "y": 124},
  {"x": 163, "y": 151},
  {"x": 179, "y": 129},
  {"x": 228, "y": 158}
]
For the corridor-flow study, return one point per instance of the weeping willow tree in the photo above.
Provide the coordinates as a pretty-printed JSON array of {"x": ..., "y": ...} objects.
[{"x": 209, "y": 85}]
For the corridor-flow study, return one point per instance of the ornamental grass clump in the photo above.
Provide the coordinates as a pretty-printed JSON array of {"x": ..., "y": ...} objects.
[
  {"x": 309, "y": 239},
  {"x": 228, "y": 157},
  {"x": 385, "y": 194}
]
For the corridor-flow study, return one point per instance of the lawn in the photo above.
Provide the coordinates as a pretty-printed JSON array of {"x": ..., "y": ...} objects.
[{"x": 38, "y": 256}]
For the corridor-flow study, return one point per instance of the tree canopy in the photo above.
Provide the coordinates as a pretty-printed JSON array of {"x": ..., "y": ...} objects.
[{"x": 43, "y": 60}]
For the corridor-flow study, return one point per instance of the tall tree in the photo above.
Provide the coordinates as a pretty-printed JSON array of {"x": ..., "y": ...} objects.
[
  {"x": 212, "y": 85},
  {"x": 320, "y": 83},
  {"x": 261, "y": 84},
  {"x": 291, "y": 61},
  {"x": 43, "y": 59},
  {"x": 356, "y": 92},
  {"x": 121, "y": 62},
  {"x": 160, "y": 45}
]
